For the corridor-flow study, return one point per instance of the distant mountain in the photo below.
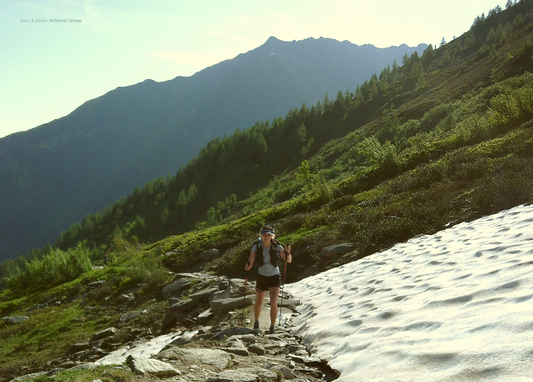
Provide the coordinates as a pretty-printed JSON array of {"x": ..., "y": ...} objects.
[{"x": 53, "y": 175}]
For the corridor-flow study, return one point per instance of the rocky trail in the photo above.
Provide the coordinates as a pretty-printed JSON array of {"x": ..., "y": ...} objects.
[{"x": 204, "y": 336}]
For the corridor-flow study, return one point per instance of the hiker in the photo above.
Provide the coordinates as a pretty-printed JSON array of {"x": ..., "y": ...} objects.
[
  {"x": 106, "y": 257},
  {"x": 267, "y": 250}
]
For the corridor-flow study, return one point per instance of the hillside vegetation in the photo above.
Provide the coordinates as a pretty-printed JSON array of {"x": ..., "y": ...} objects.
[
  {"x": 53, "y": 175},
  {"x": 445, "y": 137}
]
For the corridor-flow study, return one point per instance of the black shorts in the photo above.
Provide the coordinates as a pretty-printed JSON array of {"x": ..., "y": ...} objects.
[{"x": 264, "y": 283}]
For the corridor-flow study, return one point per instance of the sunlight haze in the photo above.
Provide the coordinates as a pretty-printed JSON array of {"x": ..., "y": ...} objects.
[{"x": 49, "y": 68}]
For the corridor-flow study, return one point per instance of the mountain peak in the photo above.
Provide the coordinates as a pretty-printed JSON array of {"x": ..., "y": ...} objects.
[{"x": 272, "y": 39}]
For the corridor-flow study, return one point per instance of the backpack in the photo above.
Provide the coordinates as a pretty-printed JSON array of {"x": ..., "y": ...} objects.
[{"x": 273, "y": 254}]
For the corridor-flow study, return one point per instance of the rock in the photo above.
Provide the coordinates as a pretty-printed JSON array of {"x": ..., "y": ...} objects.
[
  {"x": 282, "y": 370},
  {"x": 256, "y": 349},
  {"x": 96, "y": 284},
  {"x": 223, "y": 306},
  {"x": 38, "y": 306},
  {"x": 337, "y": 250},
  {"x": 29, "y": 377},
  {"x": 306, "y": 360},
  {"x": 205, "y": 317},
  {"x": 235, "y": 346},
  {"x": 85, "y": 366},
  {"x": 289, "y": 302},
  {"x": 209, "y": 255},
  {"x": 124, "y": 298},
  {"x": 203, "y": 295},
  {"x": 311, "y": 271},
  {"x": 80, "y": 346},
  {"x": 246, "y": 338},
  {"x": 130, "y": 315},
  {"x": 182, "y": 305},
  {"x": 67, "y": 365},
  {"x": 217, "y": 359},
  {"x": 104, "y": 334},
  {"x": 223, "y": 284},
  {"x": 232, "y": 376},
  {"x": 151, "y": 367},
  {"x": 220, "y": 295},
  {"x": 232, "y": 332},
  {"x": 176, "y": 286},
  {"x": 15, "y": 320}
]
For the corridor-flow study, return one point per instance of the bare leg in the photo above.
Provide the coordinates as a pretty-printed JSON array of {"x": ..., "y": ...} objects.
[
  {"x": 273, "y": 292},
  {"x": 259, "y": 296}
]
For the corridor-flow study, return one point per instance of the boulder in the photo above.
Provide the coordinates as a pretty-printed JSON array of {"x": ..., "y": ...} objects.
[
  {"x": 221, "y": 294},
  {"x": 104, "y": 334},
  {"x": 214, "y": 358},
  {"x": 209, "y": 255},
  {"x": 151, "y": 367},
  {"x": 311, "y": 271},
  {"x": 176, "y": 286},
  {"x": 225, "y": 305},
  {"x": 15, "y": 320},
  {"x": 203, "y": 295},
  {"x": 182, "y": 305},
  {"x": 337, "y": 250},
  {"x": 256, "y": 349}
]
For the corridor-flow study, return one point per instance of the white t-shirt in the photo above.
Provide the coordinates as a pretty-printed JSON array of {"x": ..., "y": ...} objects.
[{"x": 267, "y": 269}]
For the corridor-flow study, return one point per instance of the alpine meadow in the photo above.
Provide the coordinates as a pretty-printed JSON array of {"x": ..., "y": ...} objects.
[{"x": 441, "y": 138}]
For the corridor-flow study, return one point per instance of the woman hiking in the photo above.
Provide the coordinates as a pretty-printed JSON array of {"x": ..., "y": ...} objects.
[{"x": 266, "y": 252}]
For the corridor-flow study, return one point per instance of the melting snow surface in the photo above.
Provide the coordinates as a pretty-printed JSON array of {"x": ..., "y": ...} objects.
[{"x": 454, "y": 306}]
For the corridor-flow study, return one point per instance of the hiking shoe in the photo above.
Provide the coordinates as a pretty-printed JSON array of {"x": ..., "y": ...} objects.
[
  {"x": 256, "y": 325},
  {"x": 271, "y": 330}
]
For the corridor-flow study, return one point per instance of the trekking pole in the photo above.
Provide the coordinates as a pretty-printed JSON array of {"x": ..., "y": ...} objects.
[
  {"x": 282, "y": 289},
  {"x": 244, "y": 298}
]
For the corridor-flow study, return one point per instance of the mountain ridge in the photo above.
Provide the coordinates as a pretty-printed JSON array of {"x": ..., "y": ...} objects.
[{"x": 53, "y": 175}]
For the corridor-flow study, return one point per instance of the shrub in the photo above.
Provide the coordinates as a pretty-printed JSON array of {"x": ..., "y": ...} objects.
[{"x": 55, "y": 268}]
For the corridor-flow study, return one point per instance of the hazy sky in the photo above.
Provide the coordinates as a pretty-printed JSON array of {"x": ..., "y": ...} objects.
[{"x": 47, "y": 69}]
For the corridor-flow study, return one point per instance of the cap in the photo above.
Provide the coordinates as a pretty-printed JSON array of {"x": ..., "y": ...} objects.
[{"x": 270, "y": 231}]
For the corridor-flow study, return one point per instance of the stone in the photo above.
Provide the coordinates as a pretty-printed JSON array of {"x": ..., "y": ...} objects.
[
  {"x": 176, "y": 286},
  {"x": 282, "y": 370},
  {"x": 80, "y": 346},
  {"x": 232, "y": 376},
  {"x": 220, "y": 295},
  {"x": 289, "y": 302},
  {"x": 29, "y": 377},
  {"x": 227, "y": 333},
  {"x": 182, "y": 305},
  {"x": 15, "y": 320},
  {"x": 151, "y": 367},
  {"x": 104, "y": 334},
  {"x": 337, "y": 250},
  {"x": 215, "y": 358},
  {"x": 203, "y": 295},
  {"x": 96, "y": 284},
  {"x": 209, "y": 255},
  {"x": 311, "y": 271},
  {"x": 67, "y": 365},
  {"x": 256, "y": 349},
  {"x": 223, "y": 306},
  {"x": 205, "y": 317},
  {"x": 124, "y": 298},
  {"x": 130, "y": 315}
]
